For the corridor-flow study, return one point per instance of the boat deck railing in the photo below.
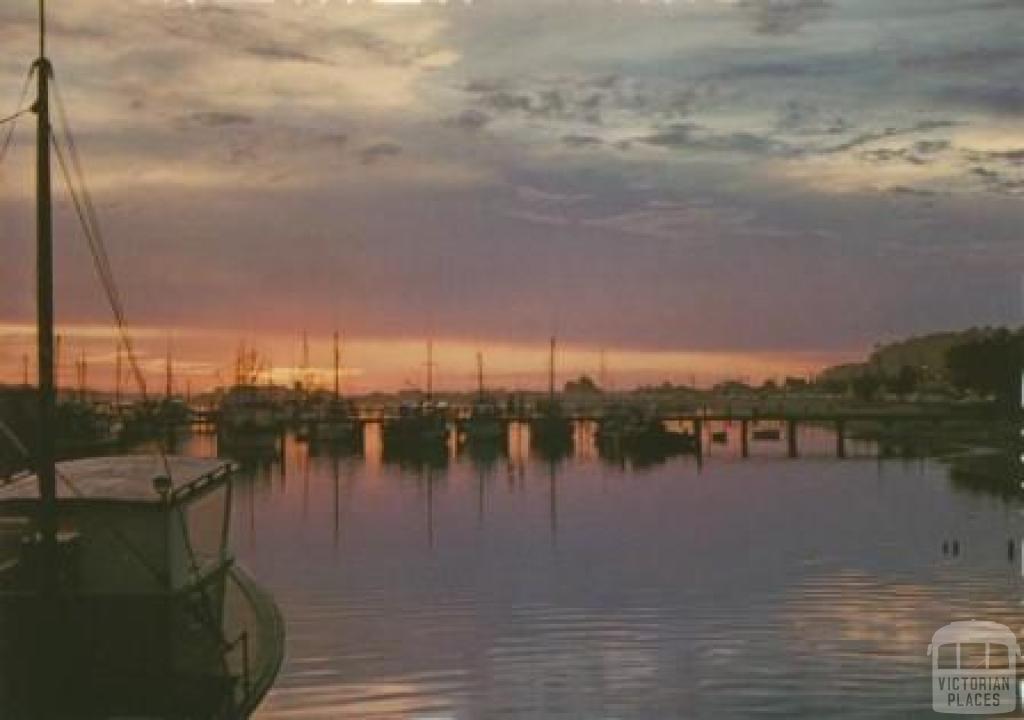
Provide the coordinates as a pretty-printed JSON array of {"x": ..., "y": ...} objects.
[{"x": 255, "y": 632}]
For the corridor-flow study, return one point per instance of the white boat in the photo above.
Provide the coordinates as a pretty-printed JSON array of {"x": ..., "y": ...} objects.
[
  {"x": 119, "y": 596},
  {"x": 145, "y": 612}
]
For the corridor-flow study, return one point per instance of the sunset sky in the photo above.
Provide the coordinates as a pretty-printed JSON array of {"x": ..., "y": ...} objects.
[{"x": 704, "y": 188}]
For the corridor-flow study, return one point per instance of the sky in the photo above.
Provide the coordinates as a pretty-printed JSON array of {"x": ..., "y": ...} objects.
[{"x": 704, "y": 189}]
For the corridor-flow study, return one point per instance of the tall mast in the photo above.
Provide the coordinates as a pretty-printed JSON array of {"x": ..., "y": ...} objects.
[
  {"x": 430, "y": 370},
  {"x": 117, "y": 375},
  {"x": 58, "y": 343},
  {"x": 337, "y": 367},
  {"x": 168, "y": 373},
  {"x": 46, "y": 470},
  {"x": 480, "y": 375},
  {"x": 83, "y": 369},
  {"x": 305, "y": 362},
  {"x": 551, "y": 372}
]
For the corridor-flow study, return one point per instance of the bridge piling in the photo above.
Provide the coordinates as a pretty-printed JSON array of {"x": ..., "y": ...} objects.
[{"x": 791, "y": 427}]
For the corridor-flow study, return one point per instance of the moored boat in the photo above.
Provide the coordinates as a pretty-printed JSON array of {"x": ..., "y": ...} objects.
[
  {"x": 485, "y": 425},
  {"x": 142, "y": 611},
  {"x": 551, "y": 433},
  {"x": 423, "y": 425},
  {"x": 248, "y": 420},
  {"x": 119, "y": 596},
  {"x": 419, "y": 428},
  {"x": 335, "y": 422},
  {"x": 631, "y": 430}
]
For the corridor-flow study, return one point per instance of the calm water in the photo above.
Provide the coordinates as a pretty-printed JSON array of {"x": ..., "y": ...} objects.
[{"x": 523, "y": 589}]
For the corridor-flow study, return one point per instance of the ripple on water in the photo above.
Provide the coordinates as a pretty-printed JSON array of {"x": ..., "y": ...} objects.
[{"x": 741, "y": 589}]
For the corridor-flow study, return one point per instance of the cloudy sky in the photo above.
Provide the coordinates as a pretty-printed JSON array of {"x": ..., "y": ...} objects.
[{"x": 709, "y": 187}]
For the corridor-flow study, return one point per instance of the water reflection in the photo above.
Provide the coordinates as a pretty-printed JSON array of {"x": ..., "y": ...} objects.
[{"x": 500, "y": 583}]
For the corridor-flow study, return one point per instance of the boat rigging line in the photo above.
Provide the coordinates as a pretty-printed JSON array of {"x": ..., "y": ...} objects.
[
  {"x": 74, "y": 178},
  {"x": 12, "y": 119},
  {"x": 14, "y": 116}
]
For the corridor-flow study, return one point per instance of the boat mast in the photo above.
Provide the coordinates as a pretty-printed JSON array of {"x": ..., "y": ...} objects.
[
  {"x": 306, "y": 374},
  {"x": 337, "y": 367},
  {"x": 551, "y": 373},
  {"x": 480, "y": 375},
  {"x": 46, "y": 470},
  {"x": 430, "y": 370},
  {"x": 117, "y": 376},
  {"x": 83, "y": 370},
  {"x": 168, "y": 373}
]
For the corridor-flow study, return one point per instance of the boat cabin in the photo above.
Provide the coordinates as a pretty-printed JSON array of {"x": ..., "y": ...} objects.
[{"x": 128, "y": 525}]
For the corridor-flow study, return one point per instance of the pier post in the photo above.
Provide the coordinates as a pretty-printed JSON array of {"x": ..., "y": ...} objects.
[
  {"x": 840, "y": 438},
  {"x": 698, "y": 435},
  {"x": 791, "y": 426},
  {"x": 745, "y": 438}
]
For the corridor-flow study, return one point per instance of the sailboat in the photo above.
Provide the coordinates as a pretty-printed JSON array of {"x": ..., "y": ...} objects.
[
  {"x": 119, "y": 594},
  {"x": 249, "y": 421},
  {"x": 551, "y": 432},
  {"x": 420, "y": 427},
  {"x": 485, "y": 425},
  {"x": 164, "y": 417},
  {"x": 335, "y": 423}
]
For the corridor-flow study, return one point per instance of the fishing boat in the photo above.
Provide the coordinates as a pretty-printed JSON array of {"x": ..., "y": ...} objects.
[
  {"x": 142, "y": 610},
  {"x": 631, "y": 430},
  {"x": 248, "y": 421},
  {"x": 419, "y": 427},
  {"x": 551, "y": 432},
  {"x": 422, "y": 424},
  {"x": 334, "y": 422},
  {"x": 485, "y": 424},
  {"x": 79, "y": 427},
  {"x": 152, "y": 419},
  {"x": 119, "y": 595}
]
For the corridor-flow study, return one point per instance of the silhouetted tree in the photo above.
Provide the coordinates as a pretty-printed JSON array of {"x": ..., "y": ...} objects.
[
  {"x": 905, "y": 381},
  {"x": 989, "y": 366},
  {"x": 865, "y": 386},
  {"x": 584, "y": 384},
  {"x": 795, "y": 383},
  {"x": 833, "y": 386}
]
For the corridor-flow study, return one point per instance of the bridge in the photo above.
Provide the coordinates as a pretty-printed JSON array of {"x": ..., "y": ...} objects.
[{"x": 785, "y": 422}]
